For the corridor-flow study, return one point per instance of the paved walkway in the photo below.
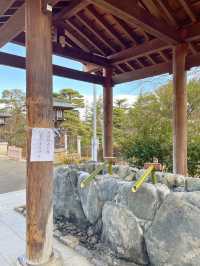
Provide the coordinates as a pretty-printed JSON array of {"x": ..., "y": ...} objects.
[
  {"x": 12, "y": 175},
  {"x": 12, "y": 233}
]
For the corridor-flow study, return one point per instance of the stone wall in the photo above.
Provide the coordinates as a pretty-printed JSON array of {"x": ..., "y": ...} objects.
[{"x": 158, "y": 225}]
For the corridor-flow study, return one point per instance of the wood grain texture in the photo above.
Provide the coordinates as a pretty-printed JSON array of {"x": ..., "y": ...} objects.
[
  {"x": 60, "y": 71},
  {"x": 5, "y": 4},
  {"x": 180, "y": 110},
  {"x": 40, "y": 114},
  {"x": 137, "y": 16},
  {"x": 108, "y": 112}
]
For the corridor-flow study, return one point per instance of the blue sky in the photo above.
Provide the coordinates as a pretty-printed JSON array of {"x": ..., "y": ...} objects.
[{"x": 12, "y": 78}]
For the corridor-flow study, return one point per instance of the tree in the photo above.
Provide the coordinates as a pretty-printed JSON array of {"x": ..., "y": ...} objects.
[
  {"x": 121, "y": 103},
  {"x": 73, "y": 123},
  {"x": 148, "y": 128},
  {"x": 70, "y": 96},
  {"x": 14, "y": 97},
  {"x": 15, "y": 131}
]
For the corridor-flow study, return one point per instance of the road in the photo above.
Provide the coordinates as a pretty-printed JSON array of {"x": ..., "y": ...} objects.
[{"x": 12, "y": 175}]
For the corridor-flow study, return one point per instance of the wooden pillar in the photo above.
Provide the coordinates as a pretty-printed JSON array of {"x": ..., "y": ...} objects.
[
  {"x": 180, "y": 110},
  {"x": 108, "y": 113},
  {"x": 39, "y": 190}
]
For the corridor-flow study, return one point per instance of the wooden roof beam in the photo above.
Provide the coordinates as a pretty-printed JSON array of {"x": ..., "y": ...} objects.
[
  {"x": 96, "y": 33},
  {"x": 87, "y": 38},
  {"x": 47, "y": 5},
  {"x": 167, "y": 12},
  {"x": 90, "y": 68},
  {"x": 124, "y": 29},
  {"x": 70, "y": 10},
  {"x": 158, "y": 69},
  {"x": 142, "y": 73},
  {"x": 192, "y": 32},
  {"x": 108, "y": 28},
  {"x": 188, "y": 10},
  {"x": 13, "y": 27},
  {"x": 71, "y": 53},
  {"x": 52, "y": 2},
  {"x": 20, "y": 62},
  {"x": 4, "y": 5},
  {"x": 73, "y": 35},
  {"x": 137, "y": 16},
  {"x": 140, "y": 50}
]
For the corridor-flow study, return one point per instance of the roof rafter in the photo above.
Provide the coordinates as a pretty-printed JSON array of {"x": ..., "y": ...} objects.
[
  {"x": 192, "y": 32},
  {"x": 20, "y": 62},
  {"x": 136, "y": 15},
  {"x": 139, "y": 50},
  {"x": 73, "y": 35},
  {"x": 5, "y": 4},
  {"x": 168, "y": 14},
  {"x": 188, "y": 10},
  {"x": 108, "y": 28},
  {"x": 73, "y": 8},
  {"x": 14, "y": 26},
  {"x": 124, "y": 29},
  {"x": 158, "y": 69},
  {"x": 87, "y": 38},
  {"x": 96, "y": 33}
]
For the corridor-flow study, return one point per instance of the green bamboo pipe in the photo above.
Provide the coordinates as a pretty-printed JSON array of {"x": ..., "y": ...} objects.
[
  {"x": 91, "y": 177},
  {"x": 154, "y": 178},
  {"x": 141, "y": 180},
  {"x": 110, "y": 167}
]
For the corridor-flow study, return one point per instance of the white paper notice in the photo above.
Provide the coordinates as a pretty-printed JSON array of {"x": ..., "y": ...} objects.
[{"x": 42, "y": 145}]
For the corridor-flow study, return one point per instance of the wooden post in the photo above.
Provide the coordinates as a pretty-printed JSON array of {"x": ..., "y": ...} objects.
[
  {"x": 108, "y": 110},
  {"x": 79, "y": 145},
  {"x": 180, "y": 110},
  {"x": 39, "y": 190}
]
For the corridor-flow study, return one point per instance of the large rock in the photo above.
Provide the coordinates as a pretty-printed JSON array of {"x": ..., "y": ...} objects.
[
  {"x": 143, "y": 203},
  {"x": 66, "y": 199},
  {"x": 123, "y": 234},
  {"x": 162, "y": 191},
  {"x": 124, "y": 171},
  {"x": 174, "y": 180},
  {"x": 174, "y": 237},
  {"x": 192, "y": 184},
  {"x": 94, "y": 196}
]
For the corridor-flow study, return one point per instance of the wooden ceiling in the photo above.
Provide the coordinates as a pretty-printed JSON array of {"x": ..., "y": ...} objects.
[{"x": 136, "y": 37}]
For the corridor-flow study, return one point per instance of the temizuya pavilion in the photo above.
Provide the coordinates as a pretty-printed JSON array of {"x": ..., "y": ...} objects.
[{"x": 118, "y": 41}]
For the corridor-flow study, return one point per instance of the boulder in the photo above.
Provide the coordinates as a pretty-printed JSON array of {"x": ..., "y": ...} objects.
[
  {"x": 174, "y": 237},
  {"x": 143, "y": 203},
  {"x": 140, "y": 172},
  {"x": 124, "y": 171},
  {"x": 123, "y": 234},
  {"x": 162, "y": 191},
  {"x": 192, "y": 184},
  {"x": 94, "y": 196},
  {"x": 159, "y": 176},
  {"x": 174, "y": 180},
  {"x": 88, "y": 167},
  {"x": 66, "y": 198}
]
